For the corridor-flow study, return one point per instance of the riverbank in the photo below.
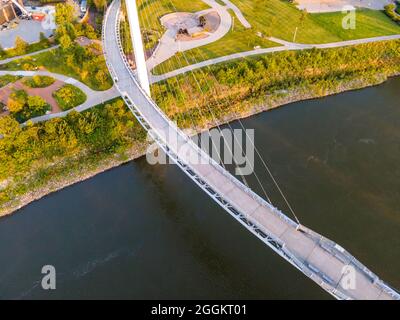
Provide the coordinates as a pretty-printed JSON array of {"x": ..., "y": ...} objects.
[
  {"x": 84, "y": 167},
  {"x": 83, "y": 172}
]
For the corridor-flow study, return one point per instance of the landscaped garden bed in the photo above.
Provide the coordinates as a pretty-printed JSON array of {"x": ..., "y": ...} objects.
[
  {"x": 6, "y": 79},
  {"x": 69, "y": 97},
  {"x": 38, "y": 81},
  {"x": 23, "y": 107}
]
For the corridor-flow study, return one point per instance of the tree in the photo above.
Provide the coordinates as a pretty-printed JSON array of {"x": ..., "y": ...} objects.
[
  {"x": 36, "y": 104},
  {"x": 79, "y": 55},
  {"x": 65, "y": 13},
  {"x": 66, "y": 94},
  {"x": 69, "y": 27},
  {"x": 9, "y": 126},
  {"x": 20, "y": 46},
  {"x": 2, "y": 52},
  {"x": 17, "y": 101},
  {"x": 303, "y": 16},
  {"x": 100, "y": 4},
  {"x": 65, "y": 42},
  {"x": 101, "y": 77},
  {"x": 42, "y": 37}
]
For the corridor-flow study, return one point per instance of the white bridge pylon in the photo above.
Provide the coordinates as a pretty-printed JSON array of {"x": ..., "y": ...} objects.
[
  {"x": 322, "y": 260},
  {"x": 136, "y": 35}
]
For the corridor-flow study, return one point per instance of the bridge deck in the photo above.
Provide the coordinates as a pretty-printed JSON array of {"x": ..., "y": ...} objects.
[{"x": 319, "y": 258}]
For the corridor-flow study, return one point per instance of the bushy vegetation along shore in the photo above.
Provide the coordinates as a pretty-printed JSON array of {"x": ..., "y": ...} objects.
[
  {"x": 45, "y": 157},
  {"x": 244, "y": 87}
]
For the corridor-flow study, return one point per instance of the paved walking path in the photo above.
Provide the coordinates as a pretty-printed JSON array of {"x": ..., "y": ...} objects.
[
  {"x": 238, "y": 13},
  {"x": 168, "y": 46},
  {"x": 28, "y": 30},
  {"x": 158, "y": 78},
  {"x": 285, "y": 46},
  {"x": 93, "y": 97},
  {"x": 45, "y": 93},
  {"x": 4, "y": 61},
  {"x": 322, "y": 260}
]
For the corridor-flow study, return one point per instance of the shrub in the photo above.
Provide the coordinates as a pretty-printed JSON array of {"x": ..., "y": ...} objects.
[
  {"x": 23, "y": 107},
  {"x": 39, "y": 81},
  {"x": 17, "y": 101},
  {"x": 8, "y": 78},
  {"x": 21, "y": 46},
  {"x": 391, "y": 11},
  {"x": 69, "y": 97},
  {"x": 42, "y": 37},
  {"x": 29, "y": 66},
  {"x": 2, "y": 52}
]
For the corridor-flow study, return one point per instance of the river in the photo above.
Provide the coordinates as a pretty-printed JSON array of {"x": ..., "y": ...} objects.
[{"x": 141, "y": 231}]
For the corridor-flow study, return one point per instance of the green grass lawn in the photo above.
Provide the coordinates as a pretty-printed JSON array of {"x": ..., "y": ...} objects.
[
  {"x": 33, "y": 47},
  {"x": 69, "y": 97},
  {"x": 369, "y": 23},
  {"x": 38, "y": 81},
  {"x": 239, "y": 40},
  {"x": 279, "y": 18},
  {"x": 8, "y": 78},
  {"x": 150, "y": 12},
  {"x": 55, "y": 61}
]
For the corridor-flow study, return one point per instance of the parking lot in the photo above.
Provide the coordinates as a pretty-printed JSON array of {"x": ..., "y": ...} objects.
[{"x": 29, "y": 30}]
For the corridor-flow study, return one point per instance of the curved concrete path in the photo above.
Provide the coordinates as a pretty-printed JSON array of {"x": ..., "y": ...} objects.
[
  {"x": 285, "y": 46},
  {"x": 93, "y": 97},
  {"x": 158, "y": 78},
  {"x": 4, "y": 61},
  {"x": 238, "y": 13},
  {"x": 168, "y": 46},
  {"x": 322, "y": 260}
]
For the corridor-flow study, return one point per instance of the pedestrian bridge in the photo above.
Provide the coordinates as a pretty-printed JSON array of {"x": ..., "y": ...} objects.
[{"x": 320, "y": 259}]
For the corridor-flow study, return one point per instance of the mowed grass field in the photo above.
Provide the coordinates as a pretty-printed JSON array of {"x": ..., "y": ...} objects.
[
  {"x": 369, "y": 23},
  {"x": 279, "y": 18},
  {"x": 237, "y": 40},
  {"x": 150, "y": 11}
]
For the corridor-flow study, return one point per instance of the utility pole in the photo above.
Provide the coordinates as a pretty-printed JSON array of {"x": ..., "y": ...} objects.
[
  {"x": 295, "y": 34},
  {"x": 137, "y": 43}
]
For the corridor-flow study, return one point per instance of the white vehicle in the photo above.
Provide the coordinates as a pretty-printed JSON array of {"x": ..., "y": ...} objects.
[{"x": 83, "y": 6}]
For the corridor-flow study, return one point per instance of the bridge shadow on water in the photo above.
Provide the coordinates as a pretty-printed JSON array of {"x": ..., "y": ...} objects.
[{"x": 141, "y": 231}]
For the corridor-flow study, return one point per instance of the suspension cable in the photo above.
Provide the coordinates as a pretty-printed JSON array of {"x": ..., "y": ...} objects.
[{"x": 241, "y": 124}]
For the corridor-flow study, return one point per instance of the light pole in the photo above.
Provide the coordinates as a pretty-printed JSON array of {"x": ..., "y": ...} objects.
[
  {"x": 137, "y": 43},
  {"x": 295, "y": 34}
]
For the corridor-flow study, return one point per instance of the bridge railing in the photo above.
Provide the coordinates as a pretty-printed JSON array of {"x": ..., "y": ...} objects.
[
  {"x": 103, "y": 38},
  {"x": 283, "y": 251},
  {"x": 195, "y": 146},
  {"x": 289, "y": 256}
]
